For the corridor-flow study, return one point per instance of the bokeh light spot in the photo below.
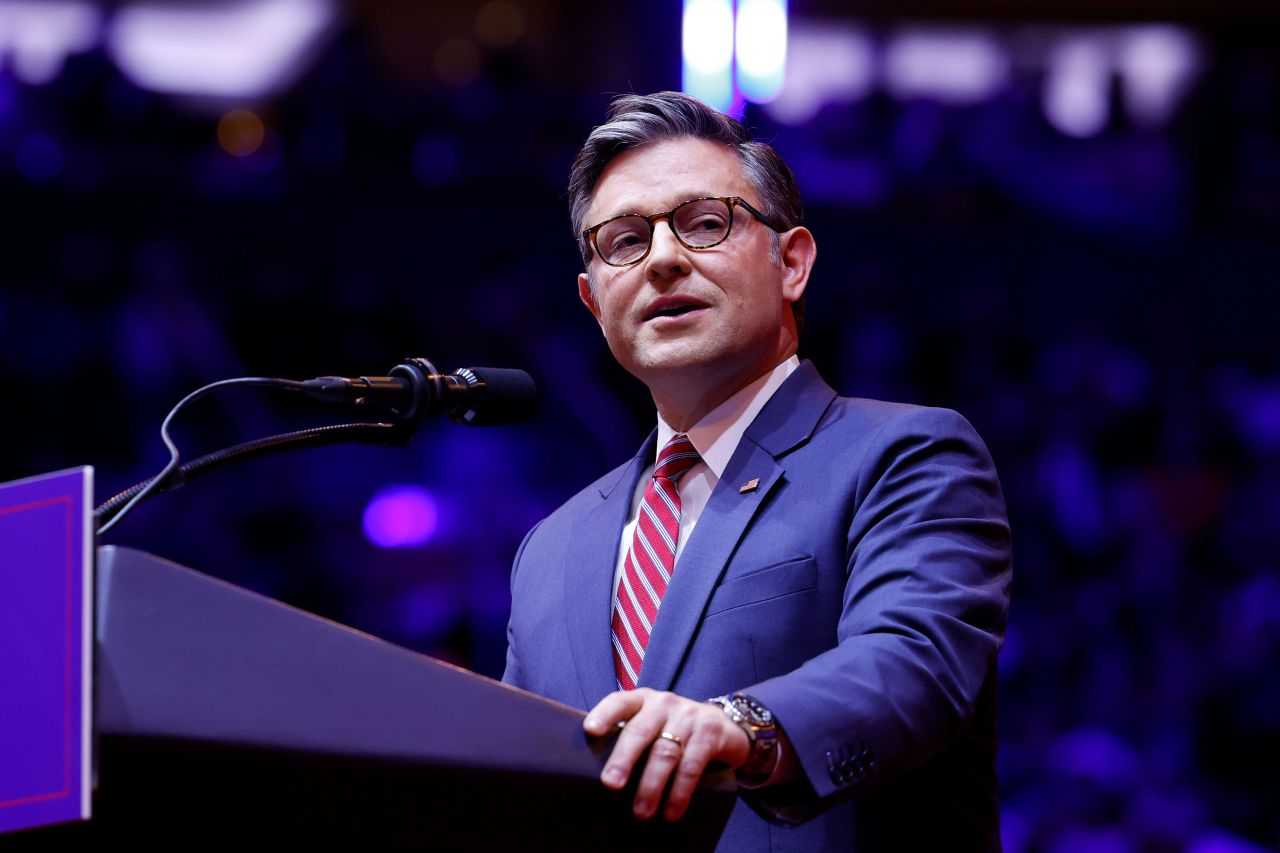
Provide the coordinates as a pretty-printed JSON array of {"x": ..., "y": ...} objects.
[
  {"x": 707, "y": 47},
  {"x": 499, "y": 24},
  {"x": 457, "y": 61},
  {"x": 401, "y": 517},
  {"x": 761, "y": 48},
  {"x": 240, "y": 132}
]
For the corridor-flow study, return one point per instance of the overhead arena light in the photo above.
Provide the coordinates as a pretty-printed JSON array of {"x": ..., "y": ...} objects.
[
  {"x": 761, "y": 48},
  {"x": 236, "y": 50},
  {"x": 37, "y": 36},
  {"x": 707, "y": 47}
]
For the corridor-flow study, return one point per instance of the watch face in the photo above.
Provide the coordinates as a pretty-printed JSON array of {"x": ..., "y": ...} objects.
[{"x": 751, "y": 709}]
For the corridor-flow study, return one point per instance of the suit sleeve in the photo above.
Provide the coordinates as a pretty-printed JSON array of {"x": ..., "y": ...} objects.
[
  {"x": 514, "y": 674},
  {"x": 923, "y": 616}
]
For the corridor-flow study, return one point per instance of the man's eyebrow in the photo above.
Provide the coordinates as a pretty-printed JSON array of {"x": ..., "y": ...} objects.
[{"x": 681, "y": 200}]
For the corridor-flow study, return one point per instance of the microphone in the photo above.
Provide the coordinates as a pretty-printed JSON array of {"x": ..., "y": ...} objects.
[{"x": 477, "y": 396}]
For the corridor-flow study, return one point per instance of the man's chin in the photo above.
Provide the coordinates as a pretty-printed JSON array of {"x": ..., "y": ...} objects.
[
  {"x": 674, "y": 356},
  {"x": 691, "y": 366}
]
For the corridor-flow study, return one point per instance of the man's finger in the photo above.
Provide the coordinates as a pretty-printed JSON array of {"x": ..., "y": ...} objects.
[
  {"x": 615, "y": 708},
  {"x": 643, "y": 726},
  {"x": 704, "y": 744},
  {"x": 665, "y": 754}
]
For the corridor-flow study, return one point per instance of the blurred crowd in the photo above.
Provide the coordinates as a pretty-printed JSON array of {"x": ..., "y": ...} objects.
[{"x": 1101, "y": 309}]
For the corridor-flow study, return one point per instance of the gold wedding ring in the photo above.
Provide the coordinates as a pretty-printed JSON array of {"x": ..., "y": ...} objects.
[{"x": 674, "y": 738}]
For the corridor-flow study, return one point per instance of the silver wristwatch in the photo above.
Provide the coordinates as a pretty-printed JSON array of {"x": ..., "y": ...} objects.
[{"x": 757, "y": 721}]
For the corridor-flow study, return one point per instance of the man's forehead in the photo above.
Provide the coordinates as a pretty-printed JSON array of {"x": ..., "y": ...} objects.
[{"x": 661, "y": 174}]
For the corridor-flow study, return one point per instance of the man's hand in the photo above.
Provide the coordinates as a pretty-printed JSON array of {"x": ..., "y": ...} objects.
[{"x": 702, "y": 734}]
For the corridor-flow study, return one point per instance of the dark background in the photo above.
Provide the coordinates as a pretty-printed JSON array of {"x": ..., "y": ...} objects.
[{"x": 1102, "y": 309}]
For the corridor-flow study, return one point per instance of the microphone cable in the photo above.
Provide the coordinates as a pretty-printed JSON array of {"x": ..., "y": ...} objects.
[
  {"x": 415, "y": 389},
  {"x": 153, "y": 486}
]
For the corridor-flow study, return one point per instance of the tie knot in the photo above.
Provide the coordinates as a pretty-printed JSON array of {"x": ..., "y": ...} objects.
[{"x": 678, "y": 456}]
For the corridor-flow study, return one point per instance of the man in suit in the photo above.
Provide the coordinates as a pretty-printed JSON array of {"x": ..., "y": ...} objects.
[{"x": 831, "y": 573}]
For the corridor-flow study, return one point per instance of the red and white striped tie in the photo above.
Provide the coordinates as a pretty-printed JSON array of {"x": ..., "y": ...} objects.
[{"x": 650, "y": 560}]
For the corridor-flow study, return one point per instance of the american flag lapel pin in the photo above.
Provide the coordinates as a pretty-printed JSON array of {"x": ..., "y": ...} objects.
[{"x": 749, "y": 486}]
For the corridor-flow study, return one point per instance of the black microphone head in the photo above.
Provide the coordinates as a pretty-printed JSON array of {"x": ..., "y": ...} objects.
[{"x": 497, "y": 395}]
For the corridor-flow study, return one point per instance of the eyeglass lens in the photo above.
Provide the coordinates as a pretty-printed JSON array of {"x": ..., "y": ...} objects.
[{"x": 699, "y": 224}]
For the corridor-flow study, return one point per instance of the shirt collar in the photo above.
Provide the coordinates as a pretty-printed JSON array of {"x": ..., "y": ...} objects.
[{"x": 716, "y": 436}]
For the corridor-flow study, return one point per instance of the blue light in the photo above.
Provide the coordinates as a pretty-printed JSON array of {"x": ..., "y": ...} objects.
[
  {"x": 761, "y": 48},
  {"x": 708, "y": 51},
  {"x": 401, "y": 517},
  {"x": 39, "y": 158},
  {"x": 435, "y": 160}
]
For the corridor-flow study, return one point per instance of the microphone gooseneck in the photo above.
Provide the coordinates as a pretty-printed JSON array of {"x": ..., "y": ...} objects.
[{"x": 478, "y": 396}]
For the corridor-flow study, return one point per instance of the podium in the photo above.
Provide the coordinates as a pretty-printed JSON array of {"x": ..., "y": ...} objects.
[{"x": 223, "y": 716}]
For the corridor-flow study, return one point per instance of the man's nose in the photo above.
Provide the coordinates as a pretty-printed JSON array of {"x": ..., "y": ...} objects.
[{"x": 667, "y": 255}]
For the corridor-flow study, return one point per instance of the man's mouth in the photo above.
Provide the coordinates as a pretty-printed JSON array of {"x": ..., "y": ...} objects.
[{"x": 673, "y": 308}]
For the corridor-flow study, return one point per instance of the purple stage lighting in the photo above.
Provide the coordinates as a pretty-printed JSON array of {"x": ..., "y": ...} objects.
[
  {"x": 955, "y": 66},
  {"x": 401, "y": 517},
  {"x": 1076, "y": 88},
  {"x": 228, "y": 50},
  {"x": 37, "y": 37},
  {"x": 829, "y": 63},
  {"x": 1158, "y": 62}
]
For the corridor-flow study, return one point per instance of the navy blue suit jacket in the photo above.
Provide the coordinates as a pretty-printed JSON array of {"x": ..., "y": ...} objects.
[{"x": 859, "y": 591}]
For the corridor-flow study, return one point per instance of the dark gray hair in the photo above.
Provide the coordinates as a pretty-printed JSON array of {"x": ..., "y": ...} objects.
[{"x": 637, "y": 120}]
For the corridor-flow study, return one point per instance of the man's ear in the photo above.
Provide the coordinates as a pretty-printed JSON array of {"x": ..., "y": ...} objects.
[
  {"x": 588, "y": 297},
  {"x": 798, "y": 251}
]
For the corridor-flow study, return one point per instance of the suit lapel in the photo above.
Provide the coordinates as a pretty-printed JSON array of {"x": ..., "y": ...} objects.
[
  {"x": 588, "y": 590},
  {"x": 788, "y": 419},
  {"x": 721, "y": 525}
]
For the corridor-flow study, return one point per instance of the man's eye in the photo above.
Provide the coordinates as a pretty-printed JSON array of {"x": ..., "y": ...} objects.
[
  {"x": 707, "y": 222},
  {"x": 700, "y": 220},
  {"x": 625, "y": 240}
]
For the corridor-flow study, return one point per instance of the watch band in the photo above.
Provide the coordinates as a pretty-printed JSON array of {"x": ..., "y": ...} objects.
[{"x": 761, "y": 730}]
